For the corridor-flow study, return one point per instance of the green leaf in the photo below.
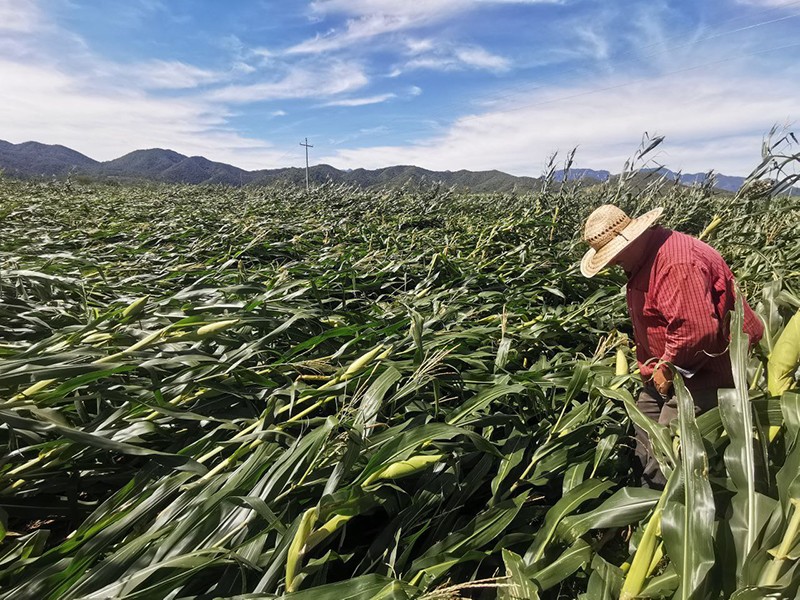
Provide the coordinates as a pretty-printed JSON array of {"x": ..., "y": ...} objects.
[
  {"x": 483, "y": 399},
  {"x": 740, "y": 456},
  {"x": 574, "y": 499},
  {"x": 182, "y": 463},
  {"x": 659, "y": 434},
  {"x": 687, "y": 523},
  {"x": 517, "y": 585},
  {"x": 625, "y": 507},
  {"x": 577, "y": 556}
]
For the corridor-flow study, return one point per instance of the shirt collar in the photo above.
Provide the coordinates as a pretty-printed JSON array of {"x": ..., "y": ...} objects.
[{"x": 656, "y": 236}]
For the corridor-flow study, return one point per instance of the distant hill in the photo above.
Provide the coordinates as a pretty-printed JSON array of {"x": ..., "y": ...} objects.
[
  {"x": 146, "y": 163},
  {"x": 32, "y": 159}
]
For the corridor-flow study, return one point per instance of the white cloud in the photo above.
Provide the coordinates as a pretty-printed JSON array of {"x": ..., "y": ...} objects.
[
  {"x": 162, "y": 74},
  {"x": 53, "y": 107},
  {"x": 358, "y": 30},
  {"x": 449, "y": 57},
  {"x": 474, "y": 56},
  {"x": 243, "y": 67},
  {"x": 314, "y": 80},
  {"x": 406, "y": 11},
  {"x": 19, "y": 17},
  {"x": 430, "y": 9},
  {"x": 710, "y": 121},
  {"x": 361, "y": 101},
  {"x": 769, "y": 3},
  {"x": 372, "y": 18},
  {"x": 55, "y": 89},
  {"x": 459, "y": 59},
  {"x": 419, "y": 46}
]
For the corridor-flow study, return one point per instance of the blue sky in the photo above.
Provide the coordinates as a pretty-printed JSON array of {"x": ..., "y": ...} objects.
[{"x": 443, "y": 84}]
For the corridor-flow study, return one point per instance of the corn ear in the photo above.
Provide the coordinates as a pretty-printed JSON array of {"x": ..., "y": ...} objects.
[
  {"x": 715, "y": 222},
  {"x": 404, "y": 468},
  {"x": 622, "y": 362},
  {"x": 143, "y": 343},
  {"x": 771, "y": 573},
  {"x": 327, "y": 529},
  {"x": 215, "y": 327},
  {"x": 295, "y": 554},
  {"x": 784, "y": 358},
  {"x": 30, "y": 391},
  {"x": 647, "y": 553},
  {"x": 363, "y": 361},
  {"x": 135, "y": 307},
  {"x": 94, "y": 338}
]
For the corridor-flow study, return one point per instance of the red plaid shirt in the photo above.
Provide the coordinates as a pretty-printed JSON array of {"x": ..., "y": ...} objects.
[{"x": 679, "y": 297}]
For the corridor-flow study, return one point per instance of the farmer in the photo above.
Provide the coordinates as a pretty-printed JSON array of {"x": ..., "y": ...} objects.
[{"x": 679, "y": 294}]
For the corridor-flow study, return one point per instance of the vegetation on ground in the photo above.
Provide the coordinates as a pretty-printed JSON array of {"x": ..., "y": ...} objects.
[{"x": 209, "y": 392}]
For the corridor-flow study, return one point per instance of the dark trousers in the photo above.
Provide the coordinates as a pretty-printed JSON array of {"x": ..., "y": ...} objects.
[{"x": 663, "y": 411}]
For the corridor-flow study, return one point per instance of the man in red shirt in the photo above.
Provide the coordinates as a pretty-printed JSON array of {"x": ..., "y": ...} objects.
[{"x": 679, "y": 294}]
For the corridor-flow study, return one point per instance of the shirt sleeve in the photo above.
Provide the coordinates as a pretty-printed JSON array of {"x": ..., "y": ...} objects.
[{"x": 693, "y": 330}]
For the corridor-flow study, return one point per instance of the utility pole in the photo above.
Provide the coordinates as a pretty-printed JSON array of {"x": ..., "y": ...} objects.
[{"x": 307, "y": 145}]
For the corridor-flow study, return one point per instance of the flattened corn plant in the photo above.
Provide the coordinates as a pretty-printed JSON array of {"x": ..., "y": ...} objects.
[{"x": 261, "y": 393}]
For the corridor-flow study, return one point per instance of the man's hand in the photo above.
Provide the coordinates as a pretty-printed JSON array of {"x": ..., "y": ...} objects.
[{"x": 662, "y": 379}]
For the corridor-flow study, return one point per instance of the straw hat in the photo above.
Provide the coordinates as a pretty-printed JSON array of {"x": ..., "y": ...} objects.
[{"x": 609, "y": 231}]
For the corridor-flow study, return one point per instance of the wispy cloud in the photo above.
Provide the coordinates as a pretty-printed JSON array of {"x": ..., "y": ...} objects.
[
  {"x": 475, "y": 56},
  {"x": 51, "y": 106},
  {"x": 443, "y": 56},
  {"x": 313, "y": 80},
  {"x": 20, "y": 17},
  {"x": 408, "y": 12},
  {"x": 709, "y": 122},
  {"x": 162, "y": 74},
  {"x": 372, "y": 18},
  {"x": 770, "y": 3},
  {"x": 56, "y": 87},
  {"x": 455, "y": 59},
  {"x": 55, "y": 90},
  {"x": 413, "y": 11},
  {"x": 361, "y": 101}
]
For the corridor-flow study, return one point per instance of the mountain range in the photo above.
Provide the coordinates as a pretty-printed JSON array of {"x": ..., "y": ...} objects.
[{"x": 37, "y": 160}]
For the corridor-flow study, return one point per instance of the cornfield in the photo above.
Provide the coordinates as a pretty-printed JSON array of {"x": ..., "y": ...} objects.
[{"x": 251, "y": 393}]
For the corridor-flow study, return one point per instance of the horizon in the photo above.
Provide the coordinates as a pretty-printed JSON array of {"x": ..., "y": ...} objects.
[
  {"x": 446, "y": 86},
  {"x": 572, "y": 169}
]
